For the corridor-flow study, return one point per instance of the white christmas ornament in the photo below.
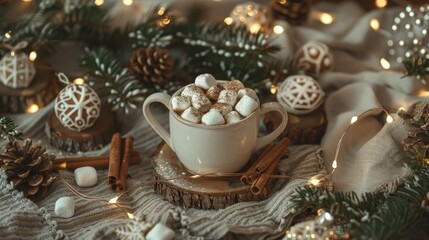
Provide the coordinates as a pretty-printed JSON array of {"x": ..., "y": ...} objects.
[
  {"x": 314, "y": 58},
  {"x": 77, "y": 106},
  {"x": 16, "y": 70},
  {"x": 251, "y": 14},
  {"x": 300, "y": 94}
]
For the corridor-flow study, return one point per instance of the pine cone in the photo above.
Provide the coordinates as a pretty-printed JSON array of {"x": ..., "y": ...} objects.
[
  {"x": 153, "y": 65},
  {"x": 28, "y": 168},
  {"x": 417, "y": 122}
]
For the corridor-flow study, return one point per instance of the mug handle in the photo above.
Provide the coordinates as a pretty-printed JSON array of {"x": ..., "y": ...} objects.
[
  {"x": 165, "y": 100},
  {"x": 268, "y": 107}
]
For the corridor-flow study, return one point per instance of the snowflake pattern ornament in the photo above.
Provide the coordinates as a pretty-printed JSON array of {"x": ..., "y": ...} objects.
[
  {"x": 77, "y": 105},
  {"x": 251, "y": 14},
  {"x": 300, "y": 94},
  {"x": 314, "y": 58},
  {"x": 16, "y": 70}
]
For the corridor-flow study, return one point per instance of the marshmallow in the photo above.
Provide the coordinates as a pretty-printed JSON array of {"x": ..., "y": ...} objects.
[
  {"x": 205, "y": 81},
  {"x": 246, "y": 106},
  {"x": 249, "y": 92},
  {"x": 192, "y": 115},
  {"x": 64, "y": 207},
  {"x": 213, "y": 118},
  {"x": 201, "y": 102},
  {"x": 160, "y": 232},
  {"x": 234, "y": 85},
  {"x": 180, "y": 103},
  {"x": 190, "y": 90},
  {"x": 213, "y": 93},
  {"x": 222, "y": 108},
  {"x": 232, "y": 117},
  {"x": 227, "y": 96},
  {"x": 85, "y": 176}
]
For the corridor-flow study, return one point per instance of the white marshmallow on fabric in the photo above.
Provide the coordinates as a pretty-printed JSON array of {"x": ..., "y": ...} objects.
[
  {"x": 222, "y": 108},
  {"x": 249, "y": 92},
  {"x": 213, "y": 118},
  {"x": 246, "y": 106},
  {"x": 64, "y": 207},
  {"x": 205, "y": 81},
  {"x": 192, "y": 115},
  {"x": 180, "y": 103},
  {"x": 213, "y": 93},
  {"x": 234, "y": 85},
  {"x": 160, "y": 232},
  {"x": 201, "y": 102},
  {"x": 85, "y": 176},
  {"x": 228, "y": 97},
  {"x": 190, "y": 90},
  {"x": 232, "y": 117}
]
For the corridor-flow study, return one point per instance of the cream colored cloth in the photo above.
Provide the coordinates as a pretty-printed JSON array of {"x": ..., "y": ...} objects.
[{"x": 371, "y": 157}]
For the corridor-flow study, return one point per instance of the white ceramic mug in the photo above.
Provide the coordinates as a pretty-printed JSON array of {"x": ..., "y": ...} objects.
[{"x": 206, "y": 149}]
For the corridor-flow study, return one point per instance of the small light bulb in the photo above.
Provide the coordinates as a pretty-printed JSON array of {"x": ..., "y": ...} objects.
[
  {"x": 375, "y": 24},
  {"x": 130, "y": 215},
  {"x": 12, "y": 53},
  {"x": 277, "y": 29},
  {"x": 228, "y": 21},
  {"x": 314, "y": 181},
  {"x": 26, "y": 0},
  {"x": 32, "y": 56},
  {"x": 401, "y": 109},
  {"x": 326, "y": 18},
  {"x": 273, "y": 89},
  {"x": 8, "y": 35},
  {"x": 32, "y": 108},
  {"x": 98, "y": 2},
  {"x": 424, "y": 93},
  {"x": 354, "y": 119},
  {"x": 380, "y": 3},
  {"x": 334, "y": 164},
  {"x": 127, "y": 2},
  {"x": 389, "y": 119},
  {"x": 384, "y": 63},
  {"x": 113, "y": 200},
  {"x": 254, "y": 28},
  {"x": 161, "y": 11},
  {"x": 79, "y": 81}
]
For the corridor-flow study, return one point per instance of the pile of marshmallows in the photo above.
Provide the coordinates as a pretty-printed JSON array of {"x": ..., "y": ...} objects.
[{"x": 210, "y": 103}]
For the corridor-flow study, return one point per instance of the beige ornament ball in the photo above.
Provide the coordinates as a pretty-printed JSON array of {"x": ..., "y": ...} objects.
[
  {"x": 300, "y": 94},
  {"x": 314, "y": 58},
  {"x": 77, "y": 106},
  {"x": 251, "y": 14},
  {"x": 16, "y": 70}
]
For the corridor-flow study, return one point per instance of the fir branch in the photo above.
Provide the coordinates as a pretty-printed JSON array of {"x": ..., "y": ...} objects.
[
  {"x": 156, "y": 30},
  {"x": 111, "y": 80},
  {"x": 8, "y": 129},
  {"x": 417, "y": 66},
  {"x": 230, "y": 51}
]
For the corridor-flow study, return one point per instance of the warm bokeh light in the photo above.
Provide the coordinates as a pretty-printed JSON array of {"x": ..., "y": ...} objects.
[
  {"x": 98, "y": 2},
  {"x": 161, "y": 11},
  {"x": 32, "y": 56},
  {"x": 113, "y": 200},
  {"x": 32, "y": 108},
  {"x": 127, "y": 2},
  {"x": 314, "y": 181},
  {"x": 8, "y": 35},
  {"x": 380, "y": 3},
  {"x": 273, "y": 89},
  {"x": 384, "y": 63},
  {"x": 375, "y": 24},
  {"x": 354, "y": 119},
  {"x": 401, "y": 109},
  {"x": 277, "y": 29},
  {"x": 326, "y": 18},
  {"x": 26, "y": 0},
  {"x": 389, "y": 119},
  {"x": 12, "y": 53},
  {"x": 228, "y": 21},
  {"x": 130, "y": 215},
  {"x": 424, "y": 93},
  {"x": 79, "y": 81},
  {"x": 334, "y": 164},
  {"x": 254, "y": 28}
]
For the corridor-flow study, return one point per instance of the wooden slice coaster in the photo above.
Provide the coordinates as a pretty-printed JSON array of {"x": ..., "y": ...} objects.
[
  {"x": 301, "y": 129},
  {"x": 42, "y": 90},
  {"x": 92, "y": 138},
  {"x": 203, "y": 193}
]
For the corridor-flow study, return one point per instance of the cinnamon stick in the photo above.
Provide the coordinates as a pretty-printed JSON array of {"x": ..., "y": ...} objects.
[
  {"x": 250, "y": 175},
  {"x": 114, "y": 158},
  {"x": 123, "y": 172},
  {"x": 272, "y": 155},
  {"x": 259, "y": 184},
  {"x": 100, "y": 162}
]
